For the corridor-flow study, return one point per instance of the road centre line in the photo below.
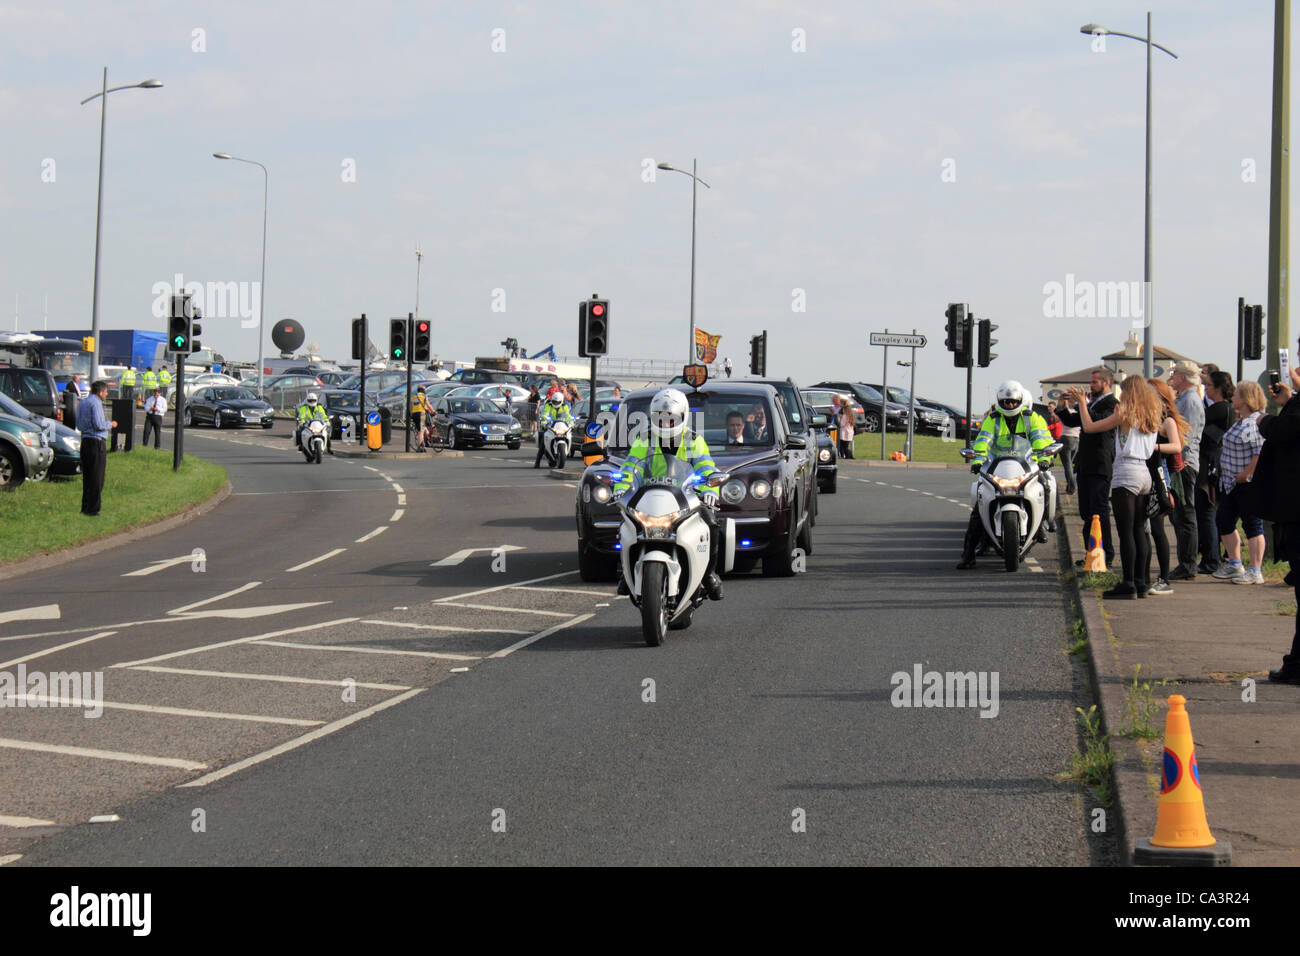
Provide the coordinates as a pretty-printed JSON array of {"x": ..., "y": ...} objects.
[
  {"x": 371, "y": 468},
  {"x": 307, "y": 564},
  {"x": 374, "y": 534},
  {"x": 401, "y": 499},
  {"x": 9, "y": 744},
  {"x": 507, "y": 651},
  {"x": 502, "y": 587},
  {"x": 506, "y": 610},
  {"x": 397, "y": 515},
  {"x": 25, "y": 822},
  {"x": 273, "y": 678},
  {"x": 365, "y": 650},
  {"x": 308, "y": 491},
  {"x": 299, "y": 741},
  {"x": 398, "y": 488},
  {"x": 239, "y": 640},
  {"x": 447, "y": 627},
  {"x": 45, "y": 700},
  {"x": 239, "y": 590},
  {"x": 51, "y": 650}
]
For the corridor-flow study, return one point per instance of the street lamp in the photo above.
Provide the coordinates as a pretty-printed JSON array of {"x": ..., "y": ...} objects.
[
  {"x": 102, "y": 96},
  {"x": 1148, "y": 305},
  {"x": 261, "y": 289},
  {"x": 694, "y": 179}
]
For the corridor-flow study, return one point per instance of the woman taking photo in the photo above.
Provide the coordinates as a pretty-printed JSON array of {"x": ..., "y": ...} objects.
[
  {"x": 1173, "y": 432},
  {"x": 1136, "y": 422}
]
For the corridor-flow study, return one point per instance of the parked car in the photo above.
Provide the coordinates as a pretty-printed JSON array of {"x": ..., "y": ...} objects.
[
  {"x": 32, "y": 388},
  {"x": 929, "y": 419},
  {"x": 960, "y": 425},
  {"x": 202, "y": 380},
  {"x": 473, "y": 423},
  {"x": 65, "y": 441},
  {"x": 486, "y": 376},
  {"x": 766, "y": 494},
  {"x": 869, "y": 399},
  {"x": 286, "y": 392},
  {"x": 25, "y": 454},
  {"x": 227, "y": 406}
]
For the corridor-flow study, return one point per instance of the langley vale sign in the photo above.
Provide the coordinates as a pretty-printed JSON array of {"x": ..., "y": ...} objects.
[{"x": 893, "y": 338}]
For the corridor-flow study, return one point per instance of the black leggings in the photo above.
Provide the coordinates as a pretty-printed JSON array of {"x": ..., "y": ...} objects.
[
  {"x": 1130, "y": 512},
  {"x": 1162, "y": 548}
]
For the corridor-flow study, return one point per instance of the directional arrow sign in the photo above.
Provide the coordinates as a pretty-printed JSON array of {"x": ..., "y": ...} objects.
[
  {"x": 894, "y": 338},
  {"x": 160, "y": 565},
  {"x": 460, "y": 556}
]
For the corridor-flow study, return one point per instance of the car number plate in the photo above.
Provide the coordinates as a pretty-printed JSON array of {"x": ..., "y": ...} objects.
[{"x": 495, "y": 437}]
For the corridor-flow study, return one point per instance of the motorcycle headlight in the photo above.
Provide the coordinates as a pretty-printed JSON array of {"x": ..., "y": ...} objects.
[
  {"x": 657, "y": 526},
  {"x": 733, "y": 492},
  {"x": 602, "y": 493},
  {"x": 1009, "y": 484},
  {"x": 760, "y": 489},
  {"x": 824, "y": 454}
]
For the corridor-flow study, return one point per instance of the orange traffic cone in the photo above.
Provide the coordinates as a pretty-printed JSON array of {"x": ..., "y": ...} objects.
[
  {"x": 898, "y": 456},
  {"x": 1183, "y": 835},
  {"x": 1096, "y": 559}
]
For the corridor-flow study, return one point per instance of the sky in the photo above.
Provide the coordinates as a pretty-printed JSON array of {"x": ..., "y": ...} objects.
[{"x": 868, "y": 163}]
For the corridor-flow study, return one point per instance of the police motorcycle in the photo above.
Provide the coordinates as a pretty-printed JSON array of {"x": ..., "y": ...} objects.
[
  {"x": 557, "y": 440},
  {"x": 315, "y": 439},
  {"x": 664, "y": 544},
  {"x": 1010, "y": 495}
]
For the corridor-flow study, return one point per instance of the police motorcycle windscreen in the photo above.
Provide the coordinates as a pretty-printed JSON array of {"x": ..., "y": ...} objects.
[{"x": 1010, "y": 492}]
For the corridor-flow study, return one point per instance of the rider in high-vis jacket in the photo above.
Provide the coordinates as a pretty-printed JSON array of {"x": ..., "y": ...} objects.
[{"x": 555, "y": 410}]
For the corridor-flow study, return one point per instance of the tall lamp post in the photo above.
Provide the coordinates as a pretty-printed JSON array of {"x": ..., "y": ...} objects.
[
  {"x": 102, "y": 96},
  {"x": 1148, "y": 306},
  {"x": 694, "y": 179},
  {"x": 261, "y": 293}
]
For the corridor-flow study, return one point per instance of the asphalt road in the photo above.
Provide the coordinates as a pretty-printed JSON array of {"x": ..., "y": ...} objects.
[{"x": 514, "y": 715}]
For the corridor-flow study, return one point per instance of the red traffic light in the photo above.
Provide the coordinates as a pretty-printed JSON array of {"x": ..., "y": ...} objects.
[
  {"x": 422, "y": 326},
  {"x": 597, "y": 309}
]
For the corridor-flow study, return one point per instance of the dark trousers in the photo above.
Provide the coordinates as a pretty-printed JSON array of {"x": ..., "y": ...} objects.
[
  {"x": 1290, "y": 549},
  {"x": 154, "y": 423},
  {"x": 1134, "y": 545},
  {"x": 93, "y": 459},
  {"x": 1068, "y": 453},
  {"x": 1094, "y": 499},
  {"x": 1207, "y": 529},
  {"x": 1184, "y": 518}
]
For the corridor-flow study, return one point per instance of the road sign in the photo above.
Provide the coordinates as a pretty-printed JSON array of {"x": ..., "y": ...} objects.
[
  {"x": 372, "y": 418},
  {"x": 893, "y": 338}
]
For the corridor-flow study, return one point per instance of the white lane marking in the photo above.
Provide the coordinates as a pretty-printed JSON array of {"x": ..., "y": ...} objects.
[
  {"x": 459, "y": 557},
  {"x": 262, "y": 610},
  {"x": 24, "y": 822},
  {"x": 385, "y": 477},
  {"x": 10, "y": 744},
  {"x": 398, "y": 488},
  {"x": 51, "y": 650},
  {"x": 159, "y": 566},
  {"x": 371, "y": 468},
  {"x": 82, "y": 630},
  {"x": 365, "y": 650},
  {"x": 446, "y": 627},
  {"x": 10, "y": 858},
  {"x": 882, "y": 484},
  {"x": 505, "y": 610},
  {"x": 1036, "y": 570},
  {"x": 502, "y": 587},
  {"x": 308, "y": 491},
  {"x": 928, "y": 494},
  {"x": 238, "y": 590},
  {"x": 401, "y": 499},
  {"x": 46, "y": 612},
  {"x": 366, "y": 537},
  {"x": 397, "y": 515},
  {"x": 299, "y": 741},
  {"x": 105, "y": 818},
  {"x": 524, "y": 587},
  {"x": 238, "y": 640},
  {"x": 324, "y": 557},
  {"x": 44, "y": 700},
  {"x": 507, "y": 651},
  {"x": 273, "y": 678}
]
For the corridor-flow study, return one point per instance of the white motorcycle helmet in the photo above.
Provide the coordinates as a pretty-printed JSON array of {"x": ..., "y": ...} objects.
[
  {"x": 311, "y": 399},
  {"x": 1012, "y": 398},
  {"x": 668, "y": 411}
]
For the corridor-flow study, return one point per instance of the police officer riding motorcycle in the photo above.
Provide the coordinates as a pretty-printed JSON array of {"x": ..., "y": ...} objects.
[
  {"x": 648, "y": 457},
  {"x": 311, "y": 409},
  {"x": 1011, "y": 417},
  {"x": 554, "y": 410}
]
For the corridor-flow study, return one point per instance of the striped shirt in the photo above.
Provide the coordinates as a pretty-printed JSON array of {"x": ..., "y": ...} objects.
[{"x": 1241, "y": 443}]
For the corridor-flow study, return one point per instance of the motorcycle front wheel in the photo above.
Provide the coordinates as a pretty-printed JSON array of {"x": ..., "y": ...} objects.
[
  {"x": 654, "y": 603},
  {"x": 1010, "y": 543}
]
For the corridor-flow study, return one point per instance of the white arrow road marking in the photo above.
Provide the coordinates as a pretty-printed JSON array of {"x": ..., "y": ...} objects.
[
  {"x": 239, "y": 590},
  {"x": 46, "y": 612},
  {"x": 460, "y": 556},
  {"x": 159, "y": 566},
  {"x": 324, "y": 557}
]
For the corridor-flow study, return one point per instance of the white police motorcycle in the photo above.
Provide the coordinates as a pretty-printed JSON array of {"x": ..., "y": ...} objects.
[
  {"x": 664, "y": 543},
  {"x": 315, "y": 439},
  {"x": 557, "y": 441},
  {"x": 1012, "y": 496}
]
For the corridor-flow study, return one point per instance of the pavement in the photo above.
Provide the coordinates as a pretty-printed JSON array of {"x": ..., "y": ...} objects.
[{"x": 1213, "y": 642}]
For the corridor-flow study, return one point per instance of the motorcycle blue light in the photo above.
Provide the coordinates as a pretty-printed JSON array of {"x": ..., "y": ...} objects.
[
  {"x": 745, "y": 542},
  {"x": 618, "y": 545}
]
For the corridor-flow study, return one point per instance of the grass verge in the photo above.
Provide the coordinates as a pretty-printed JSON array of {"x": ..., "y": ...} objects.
[
  {"x": 139, "y": 488},
  {"x": 924, "y": 447},
  {"x": 1093, "y": 766}
]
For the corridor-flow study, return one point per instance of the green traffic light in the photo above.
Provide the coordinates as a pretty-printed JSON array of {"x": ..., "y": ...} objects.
[
  {"x": 397, "y": 353},
  {"x": 179, "y": 340}
]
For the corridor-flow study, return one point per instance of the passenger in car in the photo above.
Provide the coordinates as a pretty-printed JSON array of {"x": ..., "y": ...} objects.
[
  {"x": 756, "y": 424},
  {"x": 736, "y": 428}
]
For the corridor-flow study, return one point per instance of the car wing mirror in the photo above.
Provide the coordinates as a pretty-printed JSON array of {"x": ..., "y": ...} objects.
[{"x": 796, "y": 441}]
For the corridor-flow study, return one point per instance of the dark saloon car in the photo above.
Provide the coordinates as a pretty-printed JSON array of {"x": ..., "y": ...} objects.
[
  {"x": 930, "y": 419},
  {"x": 474, "y": 423},
  {"x": 65, "y": 441},
  {"x": 227, "y": 406},
  {"x": 869, "y": 399},
  {"x": 766, "y": 496}
]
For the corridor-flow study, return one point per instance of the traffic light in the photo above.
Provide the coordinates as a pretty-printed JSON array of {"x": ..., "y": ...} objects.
[
  {"x": 963, "y": 355},
  {"x": 420, "y": 351},
  {"x": 359, "y": 338},
  {"x": 956, "y": 314},
  {"x": 397, "y": 339},
  {"x": 593, "y": 327},
  {"x": 178, "y": 325},
  {"x": 88, "y": 343},
  {"x": 758, "y": 354},
  {"x": 987, "y": 342},
  {"x": 195, "y": 329},
  {"x": 1252, "y": 334}
]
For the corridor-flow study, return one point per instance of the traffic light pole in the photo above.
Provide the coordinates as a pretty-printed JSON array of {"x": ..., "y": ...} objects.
[
  {"x": 970, "y": 369},
  {"x": 1241, "y": 332},
  {"x": 361, "y": 398},
  {"x": 410, "y": 339},
  {"x": 178, "y": 434}
]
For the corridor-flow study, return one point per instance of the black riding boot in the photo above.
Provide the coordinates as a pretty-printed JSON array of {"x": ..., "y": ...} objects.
[
  {"x": 712, "y": 580},
  {"x": 974, "y": 532}
]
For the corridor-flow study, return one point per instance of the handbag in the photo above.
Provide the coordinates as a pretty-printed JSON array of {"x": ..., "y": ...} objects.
[{"x": 1160, "y": 501}]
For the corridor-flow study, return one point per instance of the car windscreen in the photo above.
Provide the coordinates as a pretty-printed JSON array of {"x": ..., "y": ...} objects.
[
  {"x": 710, "y": 412},
  {"x": 10, "y": 407},
  {"x": 232, "y": 395},
  {"x": 34, "y": 388},
  {"x": 472, "y": 406}
]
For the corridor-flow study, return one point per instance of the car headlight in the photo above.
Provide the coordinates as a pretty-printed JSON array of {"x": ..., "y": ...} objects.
[
  {"x": 462, "y": 425},
  {"x": 760, "y": 489},
  {"x": 602, "y": 494},
  {"x": 514, "y": 426},
  {"x": 733, "y": 492},
  {"x": 586, "y": 493},
  {"x": 824, "y": 454},
  {"x": 70, "y": 443}
]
